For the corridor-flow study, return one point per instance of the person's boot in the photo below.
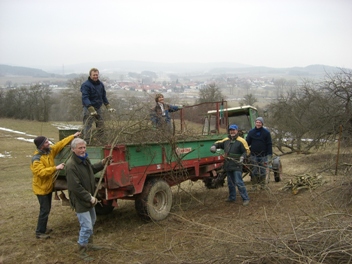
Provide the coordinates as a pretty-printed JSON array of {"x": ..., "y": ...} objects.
[
  {"x": 42, "y": 236},
  {"x": 91, "y": 246},
  {"x": 82, "y": 251},
  {"x": 262, "y": 182},
  {"x": 254, "y": 183}
]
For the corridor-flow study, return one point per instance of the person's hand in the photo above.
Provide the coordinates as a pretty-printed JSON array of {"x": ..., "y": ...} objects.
[
  {"x": 269, "y": 158},
  {"x": 60, "y": 166},
  {"x": 77, "y": 134},
  {"x": 213, "y": 149},
  {"x": 92, "y": 111},
  {"x": 93, "y": 201},
  {"x": 110, "y": 109},
  {"x": 180, "y": 107},
  {"x": 241, "y": 159},
  {"x": 107, "y": 160}
]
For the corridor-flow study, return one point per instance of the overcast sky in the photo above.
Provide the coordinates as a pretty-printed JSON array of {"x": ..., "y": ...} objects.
[{"x": 273, "y": 33}]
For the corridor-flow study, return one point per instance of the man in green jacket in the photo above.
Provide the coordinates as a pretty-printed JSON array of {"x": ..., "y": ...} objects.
[
  {"x": 81, "y": 187},
  {"x": 43, "y": 169}
]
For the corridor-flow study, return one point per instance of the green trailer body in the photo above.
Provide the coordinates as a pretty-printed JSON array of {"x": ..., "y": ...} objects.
[{"x": 144, "y": 172}]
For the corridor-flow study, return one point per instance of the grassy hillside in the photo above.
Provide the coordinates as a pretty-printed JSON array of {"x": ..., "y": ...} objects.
[{"x": 313, "y": 226}]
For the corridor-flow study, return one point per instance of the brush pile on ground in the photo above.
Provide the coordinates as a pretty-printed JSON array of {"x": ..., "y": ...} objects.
[
  {"x": 327, "y": 240},
  {"x": 303, "y": 182}
]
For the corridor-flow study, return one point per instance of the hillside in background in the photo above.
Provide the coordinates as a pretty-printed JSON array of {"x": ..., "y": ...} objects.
[
  {"x": 7, "y": 70},
  {"x": 123, "y": 67}
]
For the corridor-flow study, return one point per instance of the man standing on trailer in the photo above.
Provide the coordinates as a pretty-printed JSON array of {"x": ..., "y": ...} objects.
[
  {"x": 259, "y": 140},
  {"x": 93, "y": 97}
]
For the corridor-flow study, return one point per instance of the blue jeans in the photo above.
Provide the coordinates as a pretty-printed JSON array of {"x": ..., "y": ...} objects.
[
  {"x": 86, "y": 221},
  {"x": 234, "y": 178},
  {"x": 258, "y": 167},
  {"x": 88, "y": 121},
  {"x": 44, "y": 211}
]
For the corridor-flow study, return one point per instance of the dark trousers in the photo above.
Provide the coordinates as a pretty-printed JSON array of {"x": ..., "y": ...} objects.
[{"x": 45, "y": 206}]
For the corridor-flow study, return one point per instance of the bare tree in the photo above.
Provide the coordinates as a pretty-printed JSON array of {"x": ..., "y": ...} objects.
[
  {"x": 338, "y": 89},
  {"x": 68, "y": 103},
  {"x": 40, "y": 99},
  {"x": 280, "y": 86},
  {"x": 211, "y": 93},
  {"x": 249, "y": 99},
  {"x": 312, "y": 115}
]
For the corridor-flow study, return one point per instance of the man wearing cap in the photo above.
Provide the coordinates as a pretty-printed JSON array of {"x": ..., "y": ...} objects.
[
  {"x": 43, "y": 169},
  {"x": 93, "y": 97},
  {"x": 236, "y": 149},
  {"x": 259, "y": 140}
]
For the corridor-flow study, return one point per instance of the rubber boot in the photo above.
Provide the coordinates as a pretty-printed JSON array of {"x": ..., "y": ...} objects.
[
  {"x": 262, "y": 182},
  {"x": 82, "y": 251},
  {"x": 91, "y": 246}
]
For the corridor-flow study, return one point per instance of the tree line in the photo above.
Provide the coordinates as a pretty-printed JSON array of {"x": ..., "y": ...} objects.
[{"x": 302, "y": 118}]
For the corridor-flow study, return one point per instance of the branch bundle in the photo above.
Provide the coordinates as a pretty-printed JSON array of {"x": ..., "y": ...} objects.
[{"x": 303, "y": 182}]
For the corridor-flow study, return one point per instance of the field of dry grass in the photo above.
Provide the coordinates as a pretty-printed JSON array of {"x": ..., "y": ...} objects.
[{"x": 313, "y": 226}]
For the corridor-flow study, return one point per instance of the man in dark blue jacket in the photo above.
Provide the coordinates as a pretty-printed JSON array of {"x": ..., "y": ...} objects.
[
  {"x": 259, "y": 140},
  {"x": 93, "y": 97}
]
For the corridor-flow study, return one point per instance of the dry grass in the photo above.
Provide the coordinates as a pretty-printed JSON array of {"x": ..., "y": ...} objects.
[{"x": 277, "y": 227}]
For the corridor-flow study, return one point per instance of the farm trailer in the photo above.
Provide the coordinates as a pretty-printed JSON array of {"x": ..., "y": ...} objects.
[{"x": 146, "y": 172}]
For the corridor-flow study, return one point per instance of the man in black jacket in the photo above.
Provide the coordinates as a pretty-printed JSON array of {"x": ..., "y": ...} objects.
[
  {"x": 236, "y": 149},
  {"x": 93, "y": 97},
  {"x": 259, "y": 140},
  {"x": 81, "y": 186}
]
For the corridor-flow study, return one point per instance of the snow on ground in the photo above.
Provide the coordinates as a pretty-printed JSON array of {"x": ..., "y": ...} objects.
[
  {"x": 5, "y": 155},
  {"x": 29, "y": 138}
]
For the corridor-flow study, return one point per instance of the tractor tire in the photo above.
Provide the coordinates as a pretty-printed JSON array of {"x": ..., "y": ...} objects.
[
  {"x": 104, "y": 208},
  {"x": 155, "y": 201}
]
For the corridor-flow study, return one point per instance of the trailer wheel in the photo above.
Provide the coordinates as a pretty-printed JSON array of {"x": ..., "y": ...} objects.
[
  {"x": 104, "y": 208},
  {"x": 155, "y": 201},
  {"x": 278, "y": 172}
]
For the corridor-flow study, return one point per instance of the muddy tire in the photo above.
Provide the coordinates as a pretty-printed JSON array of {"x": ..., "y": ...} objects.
[
  {"x": 278, "y": 173},
  {"x": 214, "y": 183},
  {"x": 155, "y": 201},
  {"x": 104, "y": 208}
]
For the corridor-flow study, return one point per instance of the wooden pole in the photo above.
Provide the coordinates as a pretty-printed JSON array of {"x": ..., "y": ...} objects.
[{"x": 338, "y": 150}]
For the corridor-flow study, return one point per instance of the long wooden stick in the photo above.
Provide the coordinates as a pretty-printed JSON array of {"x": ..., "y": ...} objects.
[
  {"x": 110, "y": 154},
  {"x": 338, "y": 150}
]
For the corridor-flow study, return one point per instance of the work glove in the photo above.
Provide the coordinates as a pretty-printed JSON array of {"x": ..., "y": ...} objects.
[
  {"x": 110, "y": 109},
  {"x": 180, "y": 107},
  {"x": 93, "y": 201},
  {"x": 241, "y": 159},
  {"x": 107, "y": 160},
  {"x": 213, "y": 149},
  {"x": 92, "y": 111}
]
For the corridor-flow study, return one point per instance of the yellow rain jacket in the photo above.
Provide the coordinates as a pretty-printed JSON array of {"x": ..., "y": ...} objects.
[{"x": 43, "y": 167}]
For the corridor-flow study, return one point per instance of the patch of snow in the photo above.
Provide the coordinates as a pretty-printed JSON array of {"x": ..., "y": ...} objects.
[
  {"x": 67, "y": 126},
  {"x": 5, "y": 155},
  {"x": 25, "y": 139},
  {"x": 18, "y": 132}
]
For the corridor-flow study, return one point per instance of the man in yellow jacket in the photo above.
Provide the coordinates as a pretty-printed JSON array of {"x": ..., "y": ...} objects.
[{"x": 43, "y": 168}]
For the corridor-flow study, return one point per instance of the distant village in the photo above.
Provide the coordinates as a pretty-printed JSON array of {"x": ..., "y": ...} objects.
[{"x": 233, "y": 87}]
